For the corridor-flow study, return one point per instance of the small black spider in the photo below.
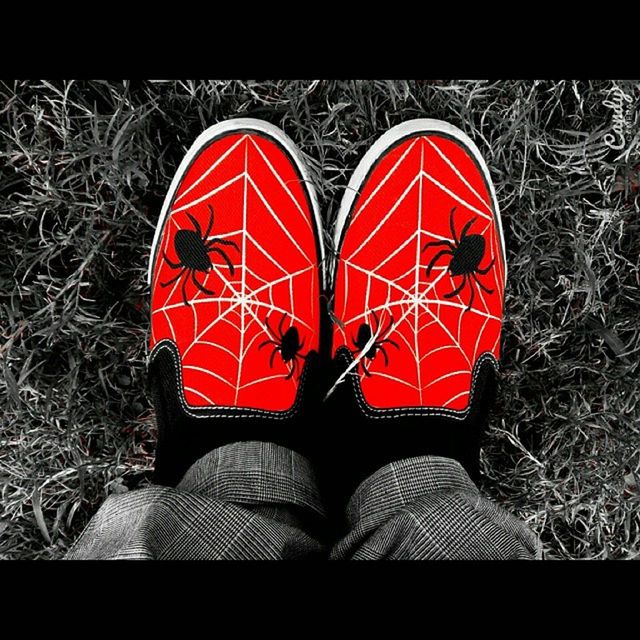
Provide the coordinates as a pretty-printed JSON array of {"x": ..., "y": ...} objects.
[
  {"x": 287, "y": 344},
  {"x": 193, "y": 252},
  {"x": 467, "y": 254},
  {"x": 364, "y": 335}
]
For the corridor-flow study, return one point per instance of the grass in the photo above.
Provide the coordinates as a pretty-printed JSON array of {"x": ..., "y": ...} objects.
[{"x": 83, "y": 170}]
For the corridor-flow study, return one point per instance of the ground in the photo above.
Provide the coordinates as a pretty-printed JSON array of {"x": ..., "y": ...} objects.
[{"x": 84, "y": 167}]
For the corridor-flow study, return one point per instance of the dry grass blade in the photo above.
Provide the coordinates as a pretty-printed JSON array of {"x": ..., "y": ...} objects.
[{"x": 37, "y": 512}]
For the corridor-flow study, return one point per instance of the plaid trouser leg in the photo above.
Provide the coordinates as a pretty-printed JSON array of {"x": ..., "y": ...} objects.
[
  {"x": 246, "y": 500},
  {"x": 428, "y": 508}
]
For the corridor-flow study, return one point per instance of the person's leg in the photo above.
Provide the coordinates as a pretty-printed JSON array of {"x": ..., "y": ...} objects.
[
  {"x": 236, "y": 273},
  {"x": 418, "y": 308},
  {"x": 247, "y": 500},
  {"x": 427, "y": 508}
]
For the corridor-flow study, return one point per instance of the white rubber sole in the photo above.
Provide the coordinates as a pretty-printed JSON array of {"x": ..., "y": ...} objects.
[
  {"x": 229, "y": 126},
  {"x": 388, "y": 139}
]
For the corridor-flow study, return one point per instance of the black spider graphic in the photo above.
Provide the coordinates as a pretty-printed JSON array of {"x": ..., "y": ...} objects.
[
  {"x": 467, "y": 254},
  {"x": 287, "y": 344},
  {"x": 363, "y": 337},
  {"x": 193, "y": 252}
]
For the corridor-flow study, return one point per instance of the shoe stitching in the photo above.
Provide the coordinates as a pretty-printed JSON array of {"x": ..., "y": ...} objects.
[
  {"x": 208, "y": 412},
  {"x": 395, "y": 412}
]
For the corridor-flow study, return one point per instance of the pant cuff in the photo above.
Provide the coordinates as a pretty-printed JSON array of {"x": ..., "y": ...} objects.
[
  {"x": 255, "y": 473},
  {"x": 400, "y": 483}
]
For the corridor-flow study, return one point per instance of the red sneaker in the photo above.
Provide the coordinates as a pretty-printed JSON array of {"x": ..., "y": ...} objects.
[
  {"x": 235, "y": 276},
  {"x": 419, "y": 278}
]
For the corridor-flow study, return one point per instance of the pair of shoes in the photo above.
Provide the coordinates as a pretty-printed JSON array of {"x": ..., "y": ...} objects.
[{"x": 257, "y": 331}]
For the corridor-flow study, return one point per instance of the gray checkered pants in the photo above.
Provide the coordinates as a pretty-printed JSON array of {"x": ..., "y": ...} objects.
[{"x": 256, "y": 500}]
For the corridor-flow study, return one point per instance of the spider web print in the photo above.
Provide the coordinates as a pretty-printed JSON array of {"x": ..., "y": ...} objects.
[
  {"x": 263, "y": 278},
  {"x": 427, "y": 344}
]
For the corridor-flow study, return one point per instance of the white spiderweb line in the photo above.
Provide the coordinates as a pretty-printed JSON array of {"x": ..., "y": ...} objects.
[
  {"x": 420, "y": 308},
  {"x": 384, "y": 180},
  {"x": 236, "y": 299},
  {"x": 243, "y": 300},
  {"x": 283, "y": 184},
  {"x": 202, "y": 395},
  {"x": 243, "y": 271},
  {"x": 457, "y": 172},
  {"x": 212, "y": 168}
]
